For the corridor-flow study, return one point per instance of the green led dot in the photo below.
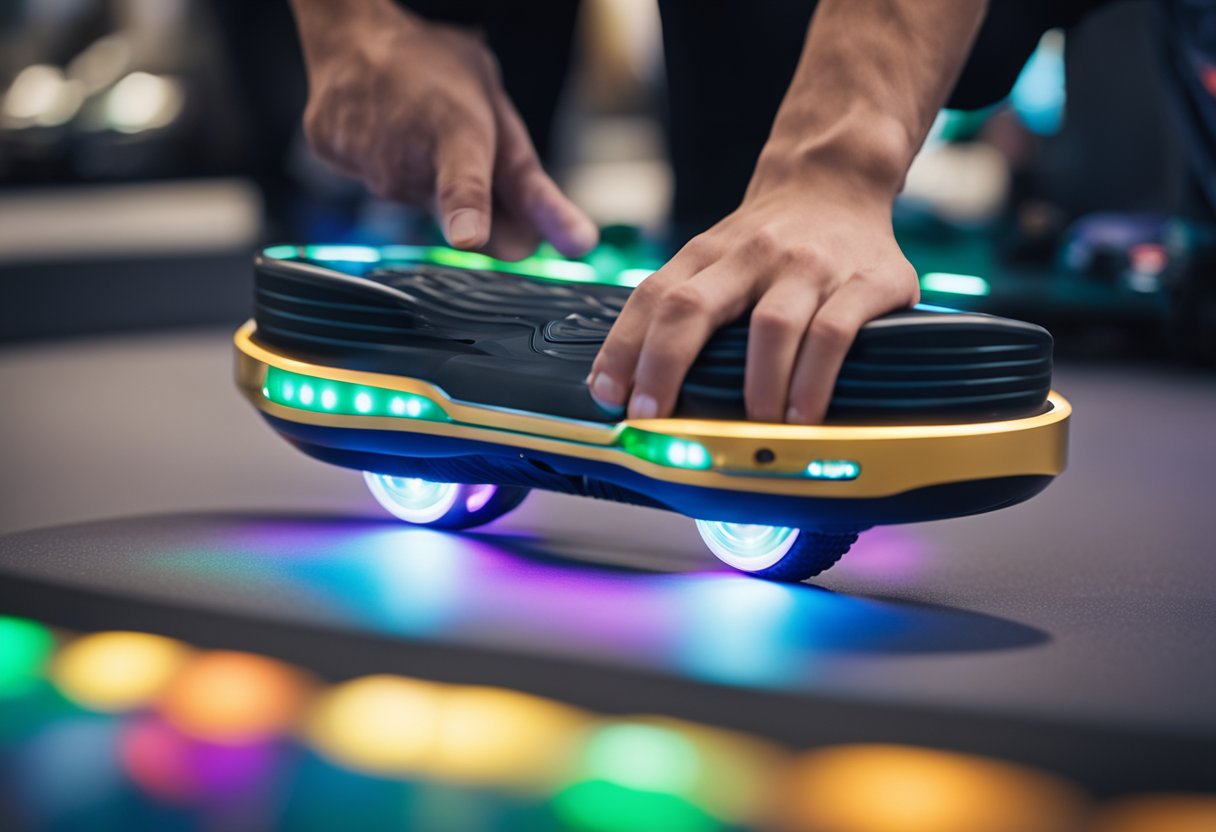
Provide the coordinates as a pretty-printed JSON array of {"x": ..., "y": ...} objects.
[
  {"x": 664, "y": 450},
  {"x": 329, "y": 399},
  {"x": 397, "y": 406},
  {"x": 363, "y": 402}
]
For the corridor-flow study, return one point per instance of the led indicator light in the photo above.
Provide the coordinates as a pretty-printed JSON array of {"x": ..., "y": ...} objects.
[
  {"x": 279, "y": 252},
  {"x": 954, "y": 284},
  {"x": 664, "y": 450},
  {"x": 833, "y": 469},
  {"x": 310, "y": 393}
]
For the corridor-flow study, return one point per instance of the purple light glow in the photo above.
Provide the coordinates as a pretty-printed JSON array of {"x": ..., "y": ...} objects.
[
  {"x": 516, "y": 592},
  {"x": 479, "y": 495},
  {"x": 884, "y": 553},
  {"x": 178, "y": 769}
]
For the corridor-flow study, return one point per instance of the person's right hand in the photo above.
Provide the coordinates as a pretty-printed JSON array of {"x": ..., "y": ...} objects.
[{"x": 416, "y": 111}]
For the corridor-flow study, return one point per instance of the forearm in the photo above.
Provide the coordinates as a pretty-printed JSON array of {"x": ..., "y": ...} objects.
[{"x": 872, "y": 76}]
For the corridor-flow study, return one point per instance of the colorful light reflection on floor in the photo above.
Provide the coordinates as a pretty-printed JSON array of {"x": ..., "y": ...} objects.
[
  {"x": 507, "y": 589},
  {"x": 136, "y": 731}
]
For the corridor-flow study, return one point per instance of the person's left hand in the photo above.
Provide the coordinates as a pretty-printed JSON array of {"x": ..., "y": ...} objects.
[{"x": 811, "y": 252}]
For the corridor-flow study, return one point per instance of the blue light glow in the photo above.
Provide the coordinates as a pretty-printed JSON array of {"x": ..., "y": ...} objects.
[{"x": 1038, "y": 96}]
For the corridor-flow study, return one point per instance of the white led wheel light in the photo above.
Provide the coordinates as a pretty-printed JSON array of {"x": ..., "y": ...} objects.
[
  {"x": 747, "y": 547},
  {"x": 411, "y": 499}
]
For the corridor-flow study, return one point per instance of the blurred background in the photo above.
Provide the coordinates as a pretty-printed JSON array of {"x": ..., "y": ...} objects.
[{"x": 149, "y": 147}]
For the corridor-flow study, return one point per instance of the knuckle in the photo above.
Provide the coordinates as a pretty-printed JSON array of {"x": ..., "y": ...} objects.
[
  {"x": 830, "y": 331},
  {"x": 646, "y": 293},
  {"x": 704, "y": 248},
  {"x": 683, "y": 301},
  {"x": 774, "y": 321},
  {"x": 805, "y": 257},
  {"x": 763, "y": 243},
  {"x": 461, "y": 189}
]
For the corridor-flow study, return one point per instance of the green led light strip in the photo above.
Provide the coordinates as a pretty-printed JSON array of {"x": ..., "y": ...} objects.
[{"x": 320, "y": 395}]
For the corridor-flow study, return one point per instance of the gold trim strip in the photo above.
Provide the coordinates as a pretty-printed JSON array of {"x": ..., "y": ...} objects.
[{"x": 893, "y": 459}]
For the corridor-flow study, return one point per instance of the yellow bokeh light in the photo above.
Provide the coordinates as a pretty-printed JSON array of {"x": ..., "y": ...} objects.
[
  {"x": 385, "y": 725},
  {"x": 505, "y": 738},
  {"x": 888, "y": 788},
  {"x": 230, "y": 697},
  {"x": 117, "y": 671}
]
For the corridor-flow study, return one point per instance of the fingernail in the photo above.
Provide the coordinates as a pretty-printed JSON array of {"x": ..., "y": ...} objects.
[
  {"x": 794, "y": 417},
  {"x": 464, "y": 228},
  {"x": 642, "y": 406},
  {"x": 607, "y": 392}
]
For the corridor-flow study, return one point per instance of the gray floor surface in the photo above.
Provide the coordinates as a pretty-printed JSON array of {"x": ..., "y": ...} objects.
[{"x": 1076, "y": 630}]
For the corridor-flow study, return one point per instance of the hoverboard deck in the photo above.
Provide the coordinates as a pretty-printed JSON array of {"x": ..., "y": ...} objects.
[{"x": 427, "y": 373}]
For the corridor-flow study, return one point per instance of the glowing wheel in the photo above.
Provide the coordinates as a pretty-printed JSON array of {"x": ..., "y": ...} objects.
[
  {"x": 776, "y": 552},
  {"x": 445, "y": 505}
]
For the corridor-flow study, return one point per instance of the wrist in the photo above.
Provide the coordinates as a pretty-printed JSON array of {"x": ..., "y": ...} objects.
[
  {"x": 329, "y": 26},
  {"x": 860, "y": 151}
]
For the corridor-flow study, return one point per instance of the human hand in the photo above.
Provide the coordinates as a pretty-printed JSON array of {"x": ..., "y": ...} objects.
[
  {"x": 416, "y": 110},
  {"x": 810, "y": 252}
]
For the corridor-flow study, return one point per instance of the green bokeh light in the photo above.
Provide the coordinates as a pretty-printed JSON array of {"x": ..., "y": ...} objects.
[
  {"x": 320, "y": 395},
  {"x": 665, "y": 450},
  {"x": 954, "y": 284},
  {"x": 24, "y": 648},
  {"x": 599, "y": 806},
  {"x": 280, "y": 252},
  {"x": 642, "y": 757}
]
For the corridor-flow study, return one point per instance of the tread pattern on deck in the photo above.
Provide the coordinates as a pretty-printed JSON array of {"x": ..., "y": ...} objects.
[{"x": 526, "y": 343}]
